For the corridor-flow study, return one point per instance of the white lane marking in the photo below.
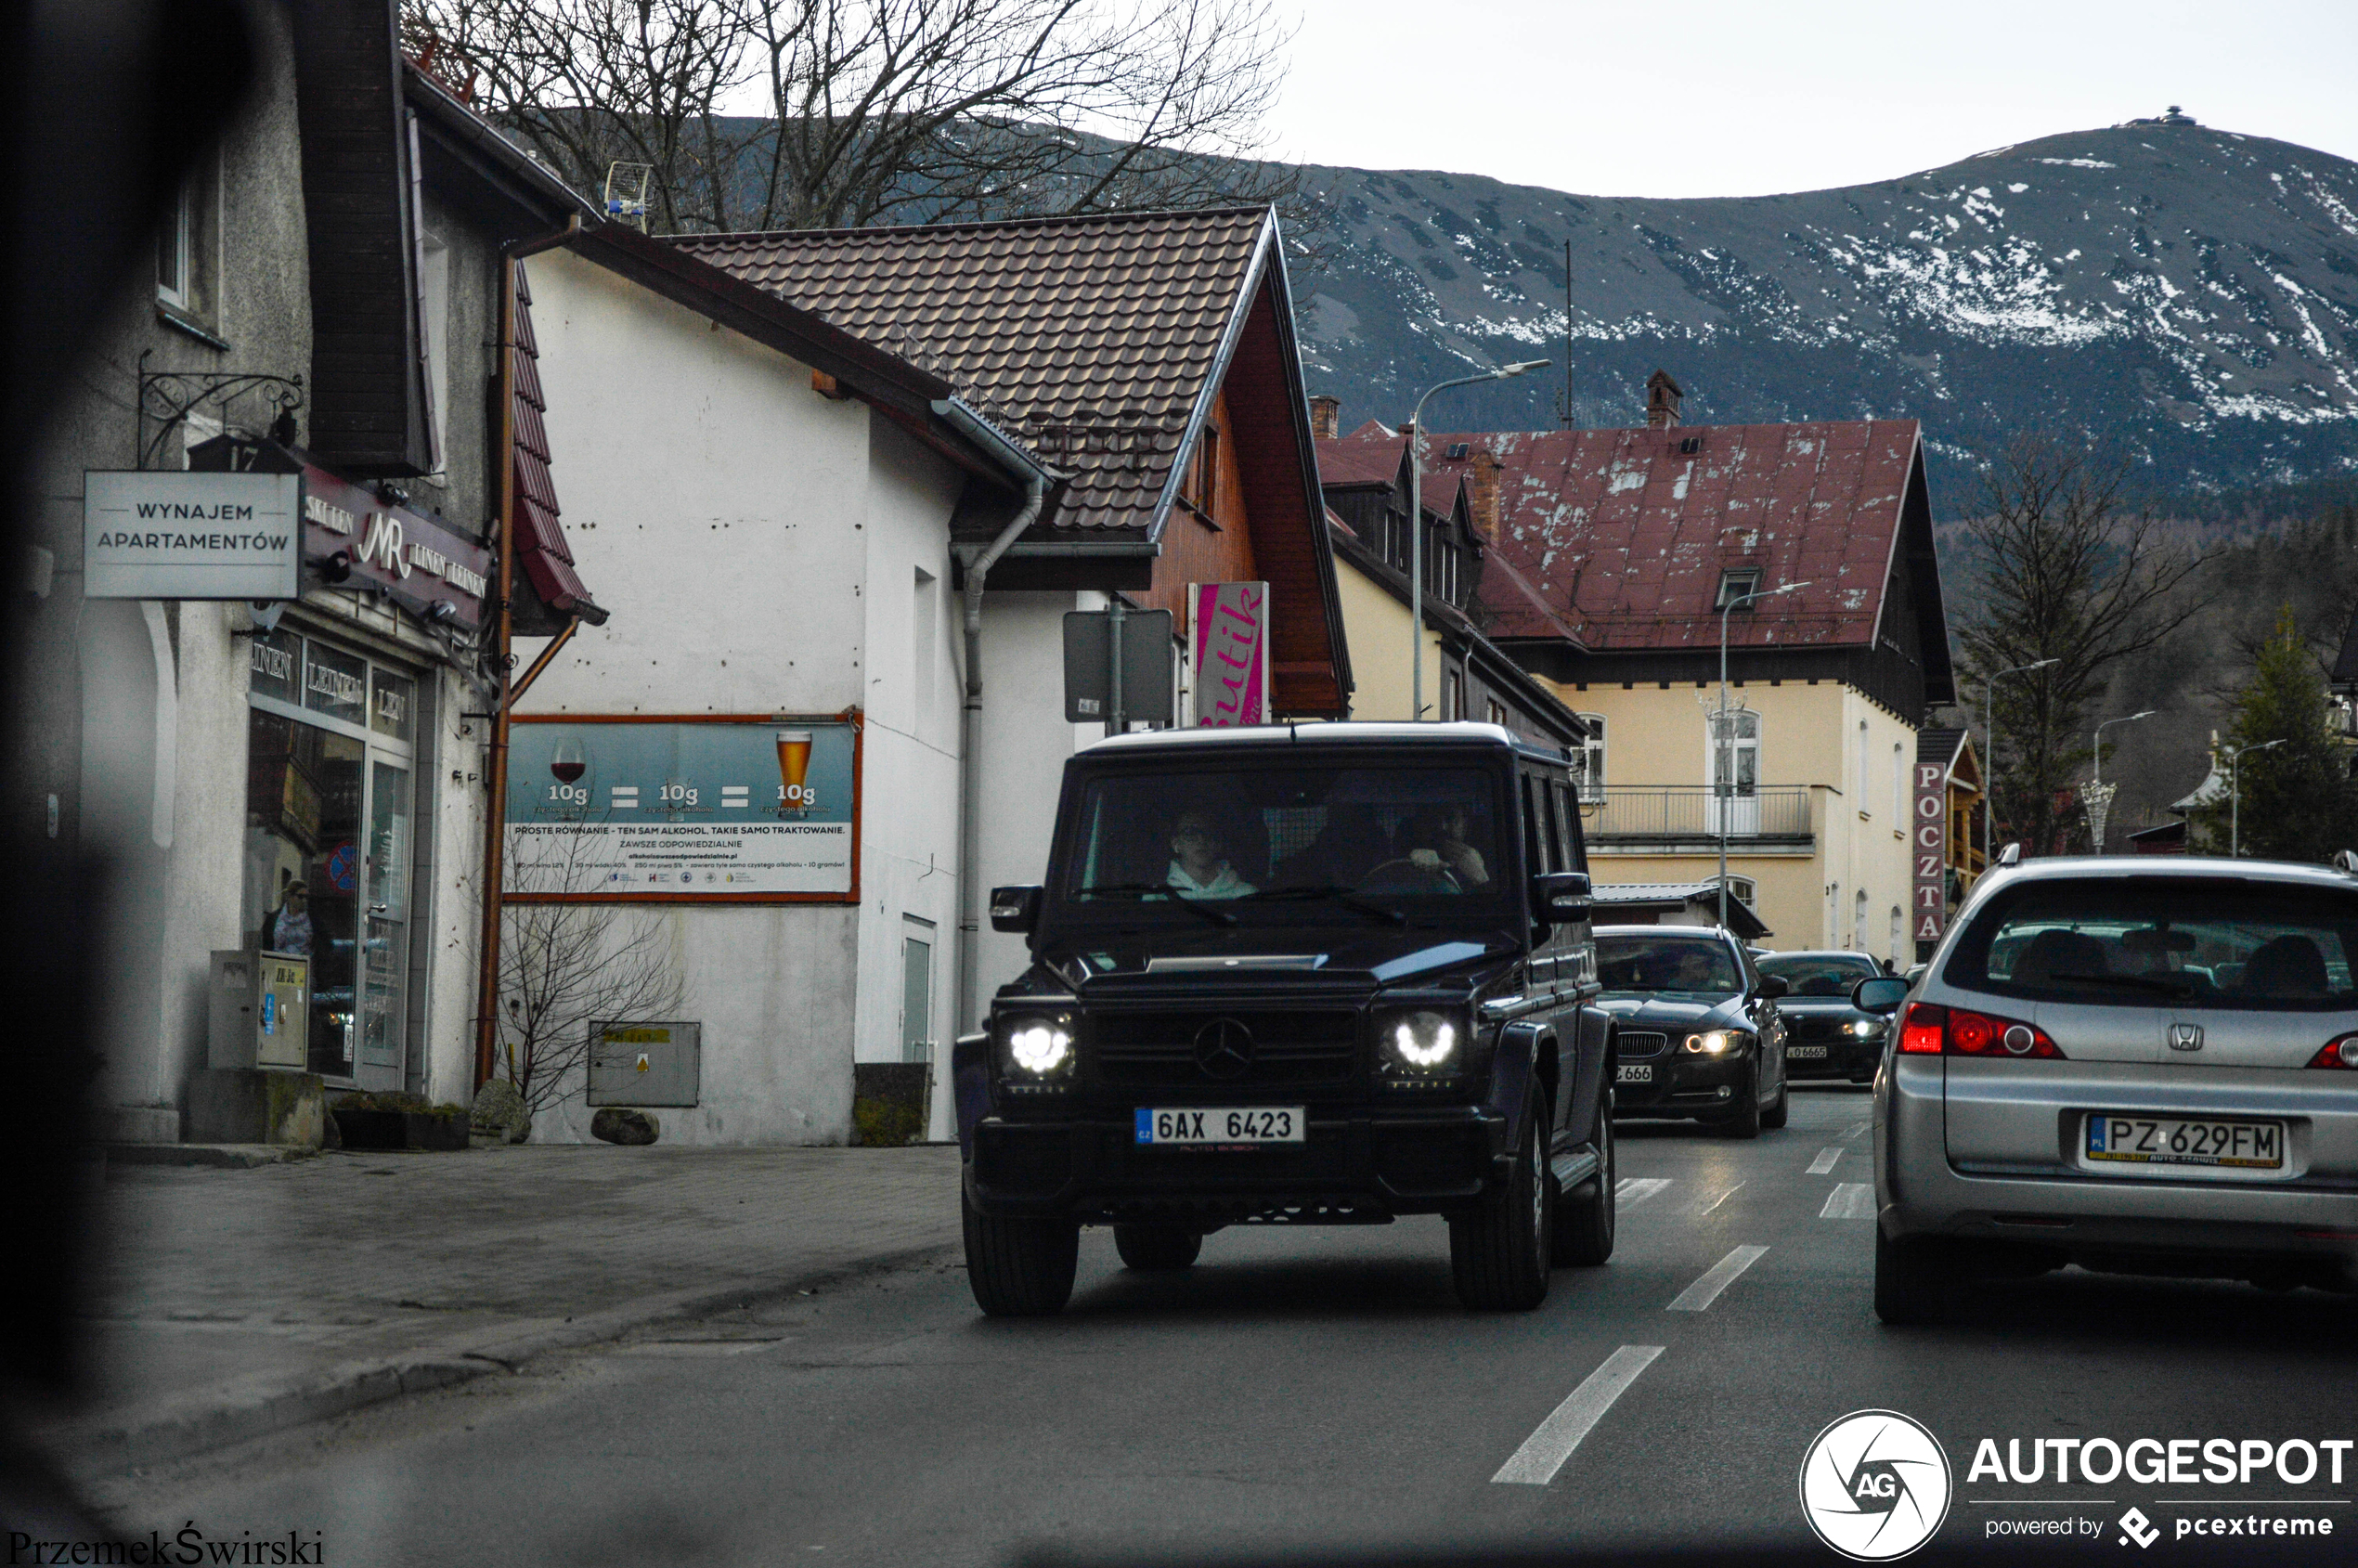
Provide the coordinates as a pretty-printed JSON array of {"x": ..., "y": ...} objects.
[
  {"x": 1825, "y": 1161},
  {"x": 1545, "y": 1451},
  {"x": 1635, "y": 1190},
  {"x": 1723, "y": 1197},
  {"x": 1704, "y": 1291},
  {"x": 1849, "y": 1200},
  {"x": 1854, "y": 1130}
]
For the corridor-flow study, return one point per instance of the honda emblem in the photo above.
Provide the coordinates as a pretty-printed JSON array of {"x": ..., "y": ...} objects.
[{"x": 2186, "y": 1037}]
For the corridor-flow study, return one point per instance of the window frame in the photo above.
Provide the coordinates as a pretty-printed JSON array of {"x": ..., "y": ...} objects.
[{"x": 1736, "y": 582}]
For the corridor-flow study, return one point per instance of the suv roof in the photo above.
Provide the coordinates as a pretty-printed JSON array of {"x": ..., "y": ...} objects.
[{"x": 1345, "y": 733}]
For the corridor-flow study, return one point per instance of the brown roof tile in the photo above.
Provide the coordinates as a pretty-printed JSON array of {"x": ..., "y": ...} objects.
[{"x": 1091, "y": 338}]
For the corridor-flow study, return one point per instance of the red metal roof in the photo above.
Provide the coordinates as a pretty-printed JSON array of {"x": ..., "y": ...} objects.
[
  {"x": 1351, "y": 460},
  {"x": 1622, "y": 534},
  {"x": 539, "y": 535}
]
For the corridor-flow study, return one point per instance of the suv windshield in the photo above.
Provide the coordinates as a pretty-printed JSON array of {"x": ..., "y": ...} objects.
[
  {"x": 1632, "y": 966},
  {"x": 2141, "y": 941},
  {"x": 1254, "y": 840},
  {"x": 1820, "y": 973}
]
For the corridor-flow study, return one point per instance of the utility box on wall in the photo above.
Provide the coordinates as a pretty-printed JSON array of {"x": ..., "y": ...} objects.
[
  {"x": 646, "y": 1064},
  {"x": 261, "y": 1013}
]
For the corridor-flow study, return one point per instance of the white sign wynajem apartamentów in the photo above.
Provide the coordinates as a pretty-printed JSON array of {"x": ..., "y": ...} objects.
[{"x": 168, "y": 534}]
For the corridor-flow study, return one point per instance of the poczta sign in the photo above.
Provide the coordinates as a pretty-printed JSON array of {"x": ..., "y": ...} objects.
[{"x": 1928, "y": 845}]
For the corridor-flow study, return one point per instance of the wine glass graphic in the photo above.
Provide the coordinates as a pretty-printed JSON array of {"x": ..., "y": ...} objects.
[{"x": 568, "y": 762}]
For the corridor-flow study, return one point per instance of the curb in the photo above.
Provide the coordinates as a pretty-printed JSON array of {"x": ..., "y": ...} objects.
[
  {"x": 197, "y": 1423},
  {"x": 226, "y": 1157}
]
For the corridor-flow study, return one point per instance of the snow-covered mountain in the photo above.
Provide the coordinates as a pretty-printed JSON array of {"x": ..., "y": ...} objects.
[{"x": 2184, "y": 296}]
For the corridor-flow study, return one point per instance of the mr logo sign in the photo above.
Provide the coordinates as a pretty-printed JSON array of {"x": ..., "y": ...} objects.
[{"x": 1928, "y": 845}]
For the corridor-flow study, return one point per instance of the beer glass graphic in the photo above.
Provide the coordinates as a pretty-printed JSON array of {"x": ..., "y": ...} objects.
[{"x": 793, "y": 767}]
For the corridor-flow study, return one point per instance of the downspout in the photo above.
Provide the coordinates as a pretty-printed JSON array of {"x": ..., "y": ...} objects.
[
  {"x": 1035, "y": 491},
  {"x": 495, "y": 772}
]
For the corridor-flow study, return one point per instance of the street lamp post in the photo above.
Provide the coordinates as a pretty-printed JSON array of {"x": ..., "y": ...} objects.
[
  {"x": 1989, "y": 757},
  {"x": 2099, "y": 798},
  {"x": 1723, "y": 748},
  {"x": 2235, "y": 755},
  {"x": 1416, "y": 525}
]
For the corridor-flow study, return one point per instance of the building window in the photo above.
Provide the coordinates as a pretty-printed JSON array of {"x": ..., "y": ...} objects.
[
  {"x": 174, "y": 243},
  {"x": 1746, "y": 890},
  {"x": 1862, "y": 771},
  {"x": 1899, "y": 925},
  {"x": 1859, "y": 920},
  {"x": 1898, "y": 789},
  {"x": 187, "y": 243},
  {"x": 1495, "y": 712},
  {"x": 1452, "y": 694},
  {"x": 1734, "y": 584},
  {"x": 1588, "y": 761},
  {"x": 1203, "y": 480}
]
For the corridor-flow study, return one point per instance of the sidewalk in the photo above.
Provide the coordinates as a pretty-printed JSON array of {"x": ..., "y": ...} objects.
[{"x": 234, "y": 1302}]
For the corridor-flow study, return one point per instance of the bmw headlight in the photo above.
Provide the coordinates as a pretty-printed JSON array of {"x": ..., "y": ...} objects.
[
  {"x": 1867, "y": 1028},
  {"x": 1718, "y": 1042},
  {"x": 1036, "y": 1049},
  {"x": 1422, "y": 1043}
]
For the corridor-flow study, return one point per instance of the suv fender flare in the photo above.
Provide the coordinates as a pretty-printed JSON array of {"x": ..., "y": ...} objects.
[
  {"x": 1515, "y": 1077},
  {"x": 970, "y": 1086},
  {"x": 1599, "y": 1043}
]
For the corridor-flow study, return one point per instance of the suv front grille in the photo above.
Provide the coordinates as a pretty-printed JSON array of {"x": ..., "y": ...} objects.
[
  {"x": 1301, "y": 1049},
  {"x": 1634, "y": 1046}
]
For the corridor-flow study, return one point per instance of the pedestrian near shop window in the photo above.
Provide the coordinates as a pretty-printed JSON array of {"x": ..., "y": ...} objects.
[{"x": 287, "y": 927}]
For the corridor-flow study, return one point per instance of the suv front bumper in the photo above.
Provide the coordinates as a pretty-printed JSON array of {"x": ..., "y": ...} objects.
[{"x": 1361, "y": 1164}]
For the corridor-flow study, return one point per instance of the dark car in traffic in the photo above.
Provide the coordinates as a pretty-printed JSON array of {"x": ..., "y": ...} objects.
[
  {"x": 1330, "y": 974},
  {"x": 1826, "y": 1034},
  {"x": 1696, "y": 1031}
]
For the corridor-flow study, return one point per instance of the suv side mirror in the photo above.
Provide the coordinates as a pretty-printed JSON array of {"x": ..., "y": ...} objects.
[
  {"x": 1559, "y": 898},
  {"x": 1016, "y": 909},
  {"x": 1882, "y": 993},
  {"x": 1774, "y": 986}
]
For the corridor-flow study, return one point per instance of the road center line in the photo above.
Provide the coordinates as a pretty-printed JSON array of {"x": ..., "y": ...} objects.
[
  {"x": 1635, "y": 1190},
  {"x": 1849, "y": 1200},
  {"x": 1722, "y": 1275},
  {"x": 1723, "y": 1197},
  {"x": 1825, "y": 1161},
  {"x": 1545, "y": 1451}
]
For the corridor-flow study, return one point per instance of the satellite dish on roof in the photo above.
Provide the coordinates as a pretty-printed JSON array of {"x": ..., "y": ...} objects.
[{"x": 627, "y": 193}]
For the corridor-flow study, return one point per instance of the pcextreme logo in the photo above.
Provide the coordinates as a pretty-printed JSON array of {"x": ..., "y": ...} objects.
[{"x": 1875, "y": 1485}]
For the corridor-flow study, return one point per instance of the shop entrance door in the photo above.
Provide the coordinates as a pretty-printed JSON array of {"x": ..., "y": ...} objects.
[
  {"x": 385, "y": 959},
  {"x": 916, "y": 999}
]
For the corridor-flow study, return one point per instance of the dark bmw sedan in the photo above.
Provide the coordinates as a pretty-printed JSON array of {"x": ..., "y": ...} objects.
[
  {"x": 1825, "y": 1036},
  {"x": 1698, "y": 1033}
]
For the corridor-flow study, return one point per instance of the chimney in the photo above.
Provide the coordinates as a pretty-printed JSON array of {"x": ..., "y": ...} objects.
[
  {"x": 1662, "y": 400},
  {"x": 1325, "y": 417},
  {"x": 1482, "y": 494}
]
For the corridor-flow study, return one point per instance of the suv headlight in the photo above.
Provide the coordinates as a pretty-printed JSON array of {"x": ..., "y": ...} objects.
[
  {"x": 1719, "y": 1042},
  {"x": 1423, "y": 1042},
  {"x": 1036, "y": 1050}
]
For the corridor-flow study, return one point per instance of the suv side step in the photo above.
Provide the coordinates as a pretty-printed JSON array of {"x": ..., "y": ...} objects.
[{"x": 1574, "y": 1167}]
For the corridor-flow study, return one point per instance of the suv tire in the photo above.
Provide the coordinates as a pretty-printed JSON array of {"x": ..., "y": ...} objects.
[
  {"x": 1914, "y": 1278},
  {"x": 1499, "y": 1253},
  {"x": 1020, "y": 1267},
  {"x": 1586, "y": 1218},
  {"x": 1156, "y": 1248},
  {"x": 1745, "y": 1121}
]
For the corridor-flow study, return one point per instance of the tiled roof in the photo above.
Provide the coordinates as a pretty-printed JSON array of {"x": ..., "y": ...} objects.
[
  {"x": 1351, "y": 461},
  {"x": 539, "y": 535},
  {"x": 1625, "y": 533},
  {"x": 1092, "y": 337}
]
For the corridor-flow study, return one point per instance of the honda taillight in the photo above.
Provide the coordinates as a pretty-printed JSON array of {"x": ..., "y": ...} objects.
[
  {"x": 2343, "y": 1053},
  {"x": 1931, "y": 1030},
  {"x": 1920, "y": 1029}
]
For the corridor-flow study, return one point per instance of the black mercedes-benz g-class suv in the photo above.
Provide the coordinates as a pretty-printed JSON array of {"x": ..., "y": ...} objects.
[{"x": 1326, "y": 974}]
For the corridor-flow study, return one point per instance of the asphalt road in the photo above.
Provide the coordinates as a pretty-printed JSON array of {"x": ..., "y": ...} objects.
[{"x": 1320, "y": 1390}]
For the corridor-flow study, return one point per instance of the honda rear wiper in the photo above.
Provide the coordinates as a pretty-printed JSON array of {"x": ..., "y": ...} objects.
[
  {"x": 1164, "y": 890},
  {"x": 2180, "y": 989},
  {"x": 1341, "y": 895}
]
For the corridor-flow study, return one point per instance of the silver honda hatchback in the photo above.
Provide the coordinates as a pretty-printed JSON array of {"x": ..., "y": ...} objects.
[{"x": 2136, "y": 1066}]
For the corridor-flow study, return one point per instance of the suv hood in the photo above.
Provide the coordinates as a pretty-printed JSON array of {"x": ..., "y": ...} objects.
[{"x": 1319, "y": 954}]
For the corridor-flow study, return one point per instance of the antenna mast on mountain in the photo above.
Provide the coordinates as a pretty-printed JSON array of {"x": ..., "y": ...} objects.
[{"x": 1563, "y": 398}]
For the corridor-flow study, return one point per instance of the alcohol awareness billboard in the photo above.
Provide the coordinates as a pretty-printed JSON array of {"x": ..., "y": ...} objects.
[{"x": 736, "y": 809}]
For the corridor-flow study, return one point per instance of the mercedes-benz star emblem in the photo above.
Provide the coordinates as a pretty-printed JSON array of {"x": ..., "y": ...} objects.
[{"x": 1223, "y": 1048}]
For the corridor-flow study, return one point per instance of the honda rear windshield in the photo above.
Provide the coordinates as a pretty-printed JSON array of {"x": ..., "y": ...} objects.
[
  {"x": 2150, "y": 941},
  {"x": 1820, "y": 973},
  {"x": 1687, "y": 965}
]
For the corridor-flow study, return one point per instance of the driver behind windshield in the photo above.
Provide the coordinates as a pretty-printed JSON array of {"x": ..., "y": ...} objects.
[
  {"x": 1437, "y": 836},
  {"x": 1199, "y": 867}
]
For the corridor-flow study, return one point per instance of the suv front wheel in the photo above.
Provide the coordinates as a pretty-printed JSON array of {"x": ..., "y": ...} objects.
[
  {"x": 1499, "y": 1253},
  {"x": 1584, "y": 1216},
  {"x": 1020, "y": 1267}
]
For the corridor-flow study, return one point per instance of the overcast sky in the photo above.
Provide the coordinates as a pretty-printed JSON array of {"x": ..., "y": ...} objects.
[{"x": 1738, "y": 98}]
